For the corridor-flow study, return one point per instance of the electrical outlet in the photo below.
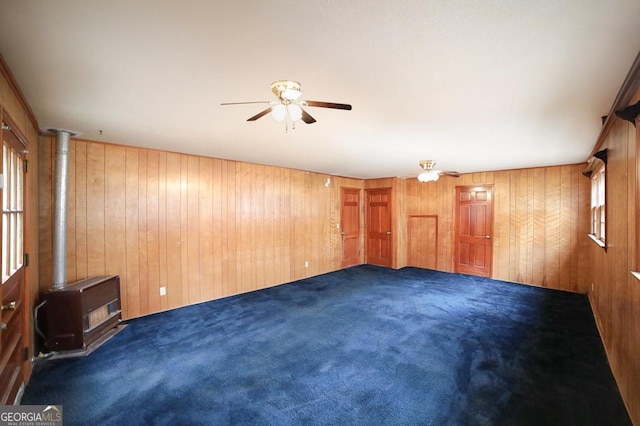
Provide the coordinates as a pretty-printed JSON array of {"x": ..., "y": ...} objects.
[
  {"x": 163, "y": 291},
  {"x": 306, "y": 264}
]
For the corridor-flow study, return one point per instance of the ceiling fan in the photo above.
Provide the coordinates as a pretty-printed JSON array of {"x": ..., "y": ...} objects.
[
  {"x": 288, "y": 104},
  {"x": 431, "y": 175}
]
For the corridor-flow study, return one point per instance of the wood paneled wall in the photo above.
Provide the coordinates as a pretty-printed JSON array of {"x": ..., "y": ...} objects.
[
  {"x": 540, "y": 222},
  {"x": 615, "y": 298},
  {"x": 203, "y": 228}
]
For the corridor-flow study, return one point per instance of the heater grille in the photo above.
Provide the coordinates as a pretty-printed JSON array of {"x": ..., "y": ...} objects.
[{"x": 100, "y": 315}]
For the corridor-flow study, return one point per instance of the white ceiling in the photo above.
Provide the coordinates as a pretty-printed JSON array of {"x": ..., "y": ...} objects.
[{"x": 474, "y": 85}]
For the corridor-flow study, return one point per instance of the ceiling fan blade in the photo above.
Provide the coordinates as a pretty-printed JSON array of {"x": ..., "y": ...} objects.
[
  {"x": 260, "y": 114},
  {"x": 452, "y": 174},
  {"x": 307, "y": 118},
  {"x": 244, "y": 103},
  {"x": 327, "y": 105}
]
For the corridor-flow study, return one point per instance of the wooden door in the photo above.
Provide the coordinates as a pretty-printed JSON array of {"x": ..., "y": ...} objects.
[
  {"x": 350, "y": 226},
  {"x": 422, "y": 241},
  {"x": 474, "y": 230},
  {"x": 379, "y": 242},
  {"x": 13, "y": 343}
]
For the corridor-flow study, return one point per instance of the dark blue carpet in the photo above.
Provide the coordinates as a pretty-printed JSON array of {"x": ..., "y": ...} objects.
[{"x": 365, "y": 345}]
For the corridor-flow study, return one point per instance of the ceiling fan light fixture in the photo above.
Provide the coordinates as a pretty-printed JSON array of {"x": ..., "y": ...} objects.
[
  {"x": 288, "y": 90},
  {"x": 295, "y": 112},
  {"x": 279, "y": 112},
  {"x": 429, "y": 176},
  {"x": 291, "y": 94}
]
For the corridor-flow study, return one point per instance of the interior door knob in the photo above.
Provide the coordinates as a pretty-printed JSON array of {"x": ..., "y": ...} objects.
[
  {"x": 10, "y": 307},
  {"x": 3, "y": 327},
  {"x": 388, "y": 232},
  {"x": 343, "y": 233},
  {"x": 488, "y": 237}
]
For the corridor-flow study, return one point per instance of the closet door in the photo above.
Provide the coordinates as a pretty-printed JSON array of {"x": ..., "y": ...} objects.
[
  {"x": 350, "y": 226},
  {"x": 379, "y": 242},
  {"x": 474, "y": 230}
]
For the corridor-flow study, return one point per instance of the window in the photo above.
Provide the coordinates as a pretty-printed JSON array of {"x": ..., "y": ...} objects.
[
  {"x": 12, "y": 207},
  {"x": 598, "y": 206}
]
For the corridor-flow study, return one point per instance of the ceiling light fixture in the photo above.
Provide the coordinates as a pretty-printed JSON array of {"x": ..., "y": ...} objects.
[
  {"x": 287, "y": 91},
  {"x": 279, "y": 112},
  {"x": 295, "y": 112},
  {"x": 429, "y": 176}
]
